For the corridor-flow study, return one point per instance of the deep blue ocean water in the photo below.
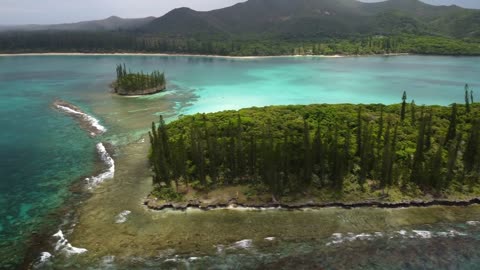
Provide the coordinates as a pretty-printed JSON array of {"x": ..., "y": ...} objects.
[{"x": 44, "y": 151}]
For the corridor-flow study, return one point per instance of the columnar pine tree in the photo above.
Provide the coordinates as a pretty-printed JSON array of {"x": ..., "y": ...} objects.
[
  {"x": 467, "y": 98},
  {"x": 429, "y": 131},
  {"x": 307, "y": 162},
  {"x": 436, "y": 177},
  {"x": 453, "y": 150},
  {"x": 404, "y": 105},
  {"x": 393, "y": 156},
  {"x": 472, "y": 152},
  {"x": 359, "y": 132},
  {"x": 318, "y": 152},
  {"x": 452, "y": 128},
  {"x": 380, "y": 132},
  {"x": 386, "y": 157},
  {"x": 417, "y": 175},
  {"x": 413, "y": 113}
]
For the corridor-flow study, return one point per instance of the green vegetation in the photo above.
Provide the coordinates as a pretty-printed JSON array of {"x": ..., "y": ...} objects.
[
  {"x": 265, "y": 27},
  {"x": 135, "y": 83},
  {"x": 98, "y": 42},
  {"x": 293, "y": 149}
]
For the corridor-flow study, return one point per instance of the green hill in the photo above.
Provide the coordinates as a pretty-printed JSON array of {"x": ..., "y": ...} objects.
[
  {"x": 269, "y": 27},
  {"x": 321, "y": 18}
]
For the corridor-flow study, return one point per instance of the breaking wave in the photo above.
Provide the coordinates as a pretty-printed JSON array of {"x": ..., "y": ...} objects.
[
  {"x": 92, "y": 124},
  {"x": 109, "y": 173},
  {"x": 63, "y": 246},
  {"x": 122, "y": 217},
  {"x": 339, "y": 238}
]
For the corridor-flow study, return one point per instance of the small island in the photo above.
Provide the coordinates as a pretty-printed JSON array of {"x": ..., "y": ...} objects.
[
  {"x": 133, "y": 84},
  {"x": 319, "y": 156}
]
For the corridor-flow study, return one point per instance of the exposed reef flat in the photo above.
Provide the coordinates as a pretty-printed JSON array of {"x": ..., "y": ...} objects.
[{"x": 140, "y": 92}]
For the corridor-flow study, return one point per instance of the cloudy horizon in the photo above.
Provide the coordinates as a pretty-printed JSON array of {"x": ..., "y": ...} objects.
[{"x": 16, "y": 12}]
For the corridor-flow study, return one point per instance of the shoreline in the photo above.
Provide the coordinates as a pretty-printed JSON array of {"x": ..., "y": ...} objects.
[
  {"x": 233, "y": 205},
  {"x": 198, "y": 55}
]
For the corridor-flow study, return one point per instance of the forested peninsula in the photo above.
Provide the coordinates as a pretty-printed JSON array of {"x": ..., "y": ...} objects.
[
  {"x": 129, "y": 83},
  {"x": 291, "y": 155}
]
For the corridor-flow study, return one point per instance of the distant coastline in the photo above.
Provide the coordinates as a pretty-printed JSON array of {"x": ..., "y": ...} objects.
[{"x": 197, "y": 55}]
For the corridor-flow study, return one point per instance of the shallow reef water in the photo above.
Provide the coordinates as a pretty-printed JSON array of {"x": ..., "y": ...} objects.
[{"x": 46, "y": 152}]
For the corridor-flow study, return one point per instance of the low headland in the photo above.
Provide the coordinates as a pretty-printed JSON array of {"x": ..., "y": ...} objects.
[
  {"x": 133, "y": 84},
  {"x": 314, "y": 156}
]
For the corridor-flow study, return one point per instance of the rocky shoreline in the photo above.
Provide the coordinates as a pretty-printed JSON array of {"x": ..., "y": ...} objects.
[
  {"x": 233, "y": 204},
  {"x": 142, "y": 92}
]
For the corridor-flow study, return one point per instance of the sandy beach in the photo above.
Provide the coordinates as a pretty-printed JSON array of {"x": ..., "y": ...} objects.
[{"x": 188, "y": 55}]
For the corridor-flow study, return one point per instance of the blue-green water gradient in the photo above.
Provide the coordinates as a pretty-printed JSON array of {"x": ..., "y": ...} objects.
[{"x": 44, "y": 151}]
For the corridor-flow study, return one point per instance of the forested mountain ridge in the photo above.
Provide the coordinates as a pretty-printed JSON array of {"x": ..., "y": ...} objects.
[
  {"x": 312, "y": 18},
  {"x": 320, "y": 18},
  {"x": 112, "y": 23},
  {"x": 269, "y": 27}
]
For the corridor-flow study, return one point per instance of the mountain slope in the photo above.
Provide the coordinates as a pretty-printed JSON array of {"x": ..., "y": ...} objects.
[
  {"x": 321, "y": 18},
  {"x": 112, "y": 23}
]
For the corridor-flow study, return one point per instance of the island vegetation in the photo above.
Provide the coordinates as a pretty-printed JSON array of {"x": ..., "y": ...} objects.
[
  {"x": 88, "y": 42},
  {"x": 130, "y": 83},
  {"x": 264, "y": 28},
  {"x": 325, "y": 152}
]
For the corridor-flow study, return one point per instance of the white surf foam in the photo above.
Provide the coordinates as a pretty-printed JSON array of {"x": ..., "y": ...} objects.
[
  {"x": 174, "y": 259},
  {"x": 422, "y": 234},
  {"x": 63, "y": 246},
  {"x": 44, "y": 258},
  {"x": 122, "y": 217},
  {"x": 109, "y": 173},
  {"x": 220, "y": 248},
  {"x": 450, "y": 233},
  {"x": 244, "y": 244},
  {"x": 338, "y": 238},
  {"x": 95, "y": 123},
  {"x": 473, "y": 223},
  {"x": 269, "y": 238}
]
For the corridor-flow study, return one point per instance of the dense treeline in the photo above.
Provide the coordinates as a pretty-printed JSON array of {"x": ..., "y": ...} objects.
[
  {"x": 46, "y": 41},
  {"x": 289, "y": 149},
  {"x": 129, "y": 81}
]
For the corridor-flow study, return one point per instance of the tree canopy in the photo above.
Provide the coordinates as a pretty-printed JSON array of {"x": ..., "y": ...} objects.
[{"x": 294, "y": 148}]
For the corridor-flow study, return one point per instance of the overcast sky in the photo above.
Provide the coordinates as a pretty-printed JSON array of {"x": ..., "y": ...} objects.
[{"x": 61, "y": 11}]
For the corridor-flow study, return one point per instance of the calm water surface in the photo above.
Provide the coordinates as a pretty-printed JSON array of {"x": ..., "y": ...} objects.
[{"x": 43, "y": 152}]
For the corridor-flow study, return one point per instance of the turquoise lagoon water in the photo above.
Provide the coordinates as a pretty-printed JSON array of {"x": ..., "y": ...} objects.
[{"x": 43, "y": 151}]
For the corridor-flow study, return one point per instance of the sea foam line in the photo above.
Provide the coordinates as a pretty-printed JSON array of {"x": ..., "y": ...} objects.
[
  {"x": 94, "y": 123},
  {"x": 108, "y": 174},
  {"x": 339, "y": 238}
]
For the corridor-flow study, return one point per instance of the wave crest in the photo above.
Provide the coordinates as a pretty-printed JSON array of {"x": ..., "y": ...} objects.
[
  {"x": 89, "y": 122},
  {"x": 108, "y": 174}
]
